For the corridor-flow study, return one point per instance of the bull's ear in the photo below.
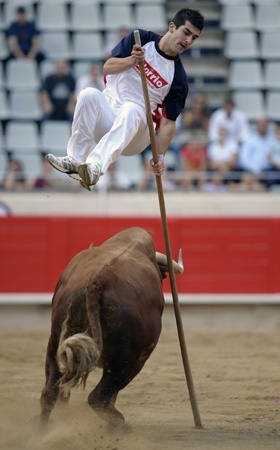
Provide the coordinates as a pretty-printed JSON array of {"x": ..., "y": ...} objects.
[{"x": 163, "y": 270}]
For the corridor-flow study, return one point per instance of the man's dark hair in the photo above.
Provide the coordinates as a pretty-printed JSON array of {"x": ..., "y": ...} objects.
[
  {"x": 20, "y": 10},
  {"x": 191, "y": 15}
]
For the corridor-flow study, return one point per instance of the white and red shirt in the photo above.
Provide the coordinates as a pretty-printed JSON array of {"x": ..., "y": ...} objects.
[{"x": 166, "y": 79}]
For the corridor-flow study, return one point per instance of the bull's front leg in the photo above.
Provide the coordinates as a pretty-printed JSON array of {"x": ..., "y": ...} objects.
[{"x": 51, "y": 389}]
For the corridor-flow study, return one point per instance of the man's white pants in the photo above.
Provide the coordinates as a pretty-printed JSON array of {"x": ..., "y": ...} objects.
[{"x": 115, "y": 131}]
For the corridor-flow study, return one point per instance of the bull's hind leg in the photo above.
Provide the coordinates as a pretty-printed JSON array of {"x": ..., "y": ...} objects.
[
  {"x": 102, "y": 399},
  {"x": 51, "y": 389}
]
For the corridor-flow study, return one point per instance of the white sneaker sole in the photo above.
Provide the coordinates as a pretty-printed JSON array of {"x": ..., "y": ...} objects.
[{"x": 85, "y": 180}]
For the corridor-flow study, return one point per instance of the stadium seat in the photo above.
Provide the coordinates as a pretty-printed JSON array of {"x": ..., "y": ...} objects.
[
  {"x": 268, "y": 17},
  {"x": 272, "y": 74},
  {"x": 2, "y": 78},
  {"x": 57, "y": 45},
  {"x": 265, "y": 2},
  {"x": 269, "y": 45},
  {"x": 85, "y": 17},
  {"x": 79, "y": 2},
  {"x": 231, "y": 2},
  {"x": 25, "y": 105},
  {"x": 251, "y": 103},
  {"x": 161, "y": 2},
  {"x": 235, "y": 17},
  {"x": 22, "y": 142},
  {"x": 22, "y": 137},
  {"x": 80, "y": 68},
  {"x": 132, "y": 166},
  {"x": 272, "y": 105},
  {"x": 49, "y": 19},
  {"x": 54, "y": 137},
  {"x": 22, "y": 75},
  {"x": 46, "y": 68},
  {"x": 241, "y": 45},
  {"x": 5, "y": 110},
  {"x": 3, "y": 165},
  {"x": 151, "y": 17},
  {"x": 116, "y": 16},
  {"x": 246, "y": 75},
  {"x": 3, "y": 46},
  {"x": 62, "y": 2},
  {"x": 2, "y": 140},
  {"x": 3, "y": 25},
  {"x": 87, "y": 46}
]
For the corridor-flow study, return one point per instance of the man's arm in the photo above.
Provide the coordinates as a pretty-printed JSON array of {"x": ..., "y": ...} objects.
[
  {"x": 116, "y": 65},
  {"x": 165, "y": 134},
  {"x": 36, "y": 45},
  {"x": 46, "y": 102},
  {"x": 14, "y": 47}
]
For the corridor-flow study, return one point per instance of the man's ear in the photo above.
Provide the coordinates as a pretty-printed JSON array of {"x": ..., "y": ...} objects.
[{"x": 171, "y": 27}]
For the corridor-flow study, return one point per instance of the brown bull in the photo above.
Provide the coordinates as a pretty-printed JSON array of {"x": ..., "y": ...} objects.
[{"x": 106, "y": 312}]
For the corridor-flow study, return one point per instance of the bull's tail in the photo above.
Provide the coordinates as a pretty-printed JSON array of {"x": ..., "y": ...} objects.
[{"x": 78, "y": 355}]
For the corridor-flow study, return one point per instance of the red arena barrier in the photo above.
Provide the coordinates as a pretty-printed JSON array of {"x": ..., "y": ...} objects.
[{"x": 221, "y": 255}]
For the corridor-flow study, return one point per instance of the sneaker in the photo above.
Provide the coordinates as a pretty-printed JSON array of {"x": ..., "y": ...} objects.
[
  {"x": 89, "y": 174},
  {"x": 63, "y": 164},
  {"x": 84, "y": 185}
]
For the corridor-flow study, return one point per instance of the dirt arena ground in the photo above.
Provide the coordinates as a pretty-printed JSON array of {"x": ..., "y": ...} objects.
[{"x": 235, "y": 362}]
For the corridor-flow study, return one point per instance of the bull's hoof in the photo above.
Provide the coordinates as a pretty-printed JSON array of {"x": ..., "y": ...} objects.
[
  {"x": 64, "y": 397},
  {"x": 110, "y": 414},
  {"x": 118, "y": 427}
]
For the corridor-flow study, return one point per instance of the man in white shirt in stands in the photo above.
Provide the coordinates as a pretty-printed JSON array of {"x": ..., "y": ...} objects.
[
  {"x": 230, "y": 118},
  {"x": 93, "y": 78}
]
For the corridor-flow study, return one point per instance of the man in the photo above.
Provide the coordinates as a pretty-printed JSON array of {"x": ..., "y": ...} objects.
[
  {"x": 93, "y": 78},
  {"x": 230, "y": 118},
  {"x": 253, "y": 157},
  {"x": 115, "y": 119},
  {"x": 57, "y": 94},
  {"x": 24, "y": 39}
]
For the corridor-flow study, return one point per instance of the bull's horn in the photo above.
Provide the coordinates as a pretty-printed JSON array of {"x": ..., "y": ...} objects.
[{"x": 177, "y": 266}]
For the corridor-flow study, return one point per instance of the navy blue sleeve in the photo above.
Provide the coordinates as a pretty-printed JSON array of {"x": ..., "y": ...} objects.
[
  {"x": 12, "y": 30},
  {"x": 34, "y": 29},
  {"x": 124, "y": 47},
  {"x": 175, "y": 100}
]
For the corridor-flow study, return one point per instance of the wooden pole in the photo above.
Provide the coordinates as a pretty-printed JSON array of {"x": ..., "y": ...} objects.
[{"x": 186, "y": 364}]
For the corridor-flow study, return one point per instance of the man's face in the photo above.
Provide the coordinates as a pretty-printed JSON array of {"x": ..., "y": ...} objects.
[
  {"x": 262, "y": 126},
  {"x": 183, "y": 37},
  {"x": 21, "y": 17}
]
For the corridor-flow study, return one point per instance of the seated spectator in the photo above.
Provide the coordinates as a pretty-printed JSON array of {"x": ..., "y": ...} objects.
[
  {"x": 222, "y": 157},
  {"x": 24, "y": 39},
  {"x": 94, "y": 79},
  {"x": 194, "y": 158},
  {"x": 15, "y": 178},
  {"x": 273, "y": 157},
  {"x": 214, "y": 185},
  {"x": 57, "y": 95},
  {"x": 231, "y": 118},
  {"x": 44, "y": 180},
  {"x": 253, "y": 157},
  {"x": 196, "y": 116}
]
